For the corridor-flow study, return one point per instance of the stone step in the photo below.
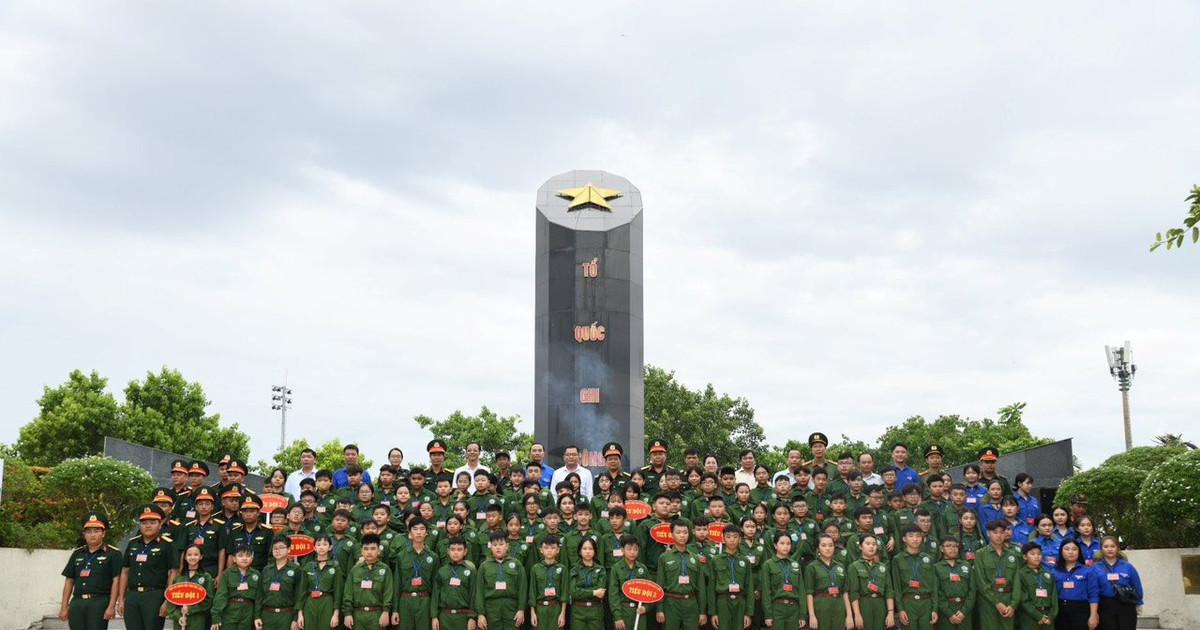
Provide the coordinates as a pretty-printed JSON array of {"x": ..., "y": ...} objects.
[
  {"x": 1148, "y": 621},
  {"x": 53, "y": 623}
]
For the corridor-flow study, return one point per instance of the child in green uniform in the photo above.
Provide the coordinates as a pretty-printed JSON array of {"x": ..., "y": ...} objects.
[
  {"x": 281, "y": 587},
  {"x": 235, "y": 606},
  {"x": 454, "y": 590},
  {"x": 996, "y": 568},
  {"x": 625, "y": 610},
  {"x": 320, "y": 604},
  {"x": 956, "y": 590},
  {"x": 915, "y": 584},
  {"x": 732, "y": 579},
  {"x": 588, "y": 584},
  {"x": 193, "y": 615},
  {"x": 92, "y": 578},
  {"x": 784, "y": 601},
  {"x": 686, "y": 605},
  {"x": 828, "y": 601},
  {"x": 870, "y": 588},
  {"x": 415, "y": 566},
  {"x": 369, "y": 590},
  {"x": 547, "y": 592},
  {"x": 500, "y": 590},
  {"x": 1039, "y": 591}
]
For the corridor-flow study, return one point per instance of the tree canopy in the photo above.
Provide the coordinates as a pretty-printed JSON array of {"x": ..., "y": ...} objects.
[
  {"x": 700, "y": 418},
  {"x": 329, "y": 457},
  {"x": 493, "y": 432},
  {"x": 1173, "y": 237},
  {"x": 164, "y": 411}
]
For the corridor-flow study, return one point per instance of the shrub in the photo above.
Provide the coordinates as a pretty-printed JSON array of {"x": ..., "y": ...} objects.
[
  {"x": 1112, "y": 491},
  {"x": 1145, "y": 458},
  {"x": 1170, "y": 499},
  {"x": 109, "y": 486},
  {"x": 29, "y": 519}
]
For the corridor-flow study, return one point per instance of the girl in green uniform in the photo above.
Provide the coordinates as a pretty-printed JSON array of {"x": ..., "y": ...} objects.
[
  {"x": 828, "y": 601},
  {"x": 956, "y": 591},
  {"x": 320, "y": 601},
  {"x": 588, "y": 585},
  {"x": 756, "y": 553},
  {"x": 193, "y": 615},
  {"x": 784, "y": 595},
  {"x": 970, "y": 538},
  {"x": 870, "y": 594}
]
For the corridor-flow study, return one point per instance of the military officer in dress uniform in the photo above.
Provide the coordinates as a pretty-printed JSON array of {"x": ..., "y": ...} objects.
[
  {"x": 436, "y": 449},
  {"x": 656, "y": 468},
  {"x": 818, "y": 442},
  {"x": 181, "y": 488},
  {"x": 93, "y": 575},
  {"x": 933, "y": 459},
  {"x": 988, "y": 456},
  {"x": 197, "y": 476},
  {"x": 149, "y": 565},
  {"x": 205, "y": 532},
  {"x": 613, "y": 456}
]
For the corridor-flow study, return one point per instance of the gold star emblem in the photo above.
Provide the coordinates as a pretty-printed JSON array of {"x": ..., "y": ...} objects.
[{"x": 589, "y": 195}]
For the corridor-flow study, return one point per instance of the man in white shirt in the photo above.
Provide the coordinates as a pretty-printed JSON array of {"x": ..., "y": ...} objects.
[
  {"x": 745, "y": 474},
  {"x": 571, "y": 461},
  {"x": 472, "y": 464},
  {"x": 308, "y": 470},
  {"x": 866, "y": 466}
]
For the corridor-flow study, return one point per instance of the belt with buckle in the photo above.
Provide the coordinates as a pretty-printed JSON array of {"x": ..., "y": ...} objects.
[
  {"x": 457, "y": 611},
  {"x": 147, "y": 589},
  {"x": 824, "y": 594},
  {"x": 629, "y": 604},
  {"x": 1002, "y": 590},
  {"x": 916, "y": 596},
  {"x": 92, "y": 595},
  {"x": 277, "y": 609},
  {"x": 370, "y": 608},
  {"x": 586, "y": 603},
  {"x": 872, "y": 595},
  {"x": 957, "y": 600},
  {"x": 731, "y": 596},
  {"x": 239, "y": 600},
  {"x": 415, "y": 594},
  {"x": 679, "y": 595},
  {"x": 547, "y": 602}
]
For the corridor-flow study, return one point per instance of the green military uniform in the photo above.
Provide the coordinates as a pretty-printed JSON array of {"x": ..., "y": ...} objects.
[
  {"x": 827, "y": 585},
  {"x": 915, "y": 588},
  {"x": 621, "y": 607},
  {"x": 683, "y": 579},
  {"x": 257, "y": 539},
  {"x": 523, "y": 552},
  {"x": 415, "y": 571},
  {"x": 280, "y": 591},
  {"x": 783, "y": 593},
  {"x": 500, "y": 591},
  {"x": 956, "y": 593},
  {"x": 236, "y": 604},
  {"x": 854, "y": 551},
  {"x": 939, "y": 510},
  {"x": 210, "y": 537},
  {"x": 996, "y": 583},
  {"x": 819, "y": 505},
  {"x": 345, "y": 552},
  {"x": 651, "y": 549},
  {"x": 1039, "y": 598},
  {"x": 479, "y": 504},
  {"x": 323, "y": 592},
  {"x": 198, "y": 615},
  {"x": 969, "y": 546},
  {"x": 870, "y": 585},
  {"x": 571, "y": 543},
  {"x": 803, "y": 542},
  {"x": 454, "y": 595},
  {"x": 441, "y": 512},
  {"x": 368, "y": 593},
  {"x": 443, "y": 546},
  {"x": 547, "y": 592},
  {"x": 611, "y": 553},
  {"x": 732, "y": 581},
  {"x": 587, "y": 610},
  {"x": 149, "y": 565},
  {"x": 94, "y": 575}
]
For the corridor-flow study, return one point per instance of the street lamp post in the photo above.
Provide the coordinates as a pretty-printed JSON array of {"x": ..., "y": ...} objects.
[
  {"x": 1122, "y": 370},
  {"x": 282, "y": 401}
]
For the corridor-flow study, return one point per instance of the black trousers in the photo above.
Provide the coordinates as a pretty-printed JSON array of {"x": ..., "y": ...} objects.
[
  {"x": 1072, "y": 615},
  {"x": 1116, "y": 615}
]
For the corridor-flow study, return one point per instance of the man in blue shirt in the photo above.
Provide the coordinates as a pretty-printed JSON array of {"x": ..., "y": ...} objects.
[
  {"x": 537, "y": 453},
  {"x": 350, "y": 456},
  {"x": 905, "y": 474}
]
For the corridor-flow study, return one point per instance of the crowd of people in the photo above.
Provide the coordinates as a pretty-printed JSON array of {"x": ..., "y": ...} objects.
[{"x": 828, "y": 543}]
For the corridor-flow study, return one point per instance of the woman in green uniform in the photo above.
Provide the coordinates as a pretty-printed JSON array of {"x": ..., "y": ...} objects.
[
  {"x": 1038, "y": 605},
  {"x": 785, "y": 603},
  {"x": 193, "y": 615},
  {"x": 870, "y": 591},
  {"x": 828, "y": 601},
  {"x": 588, "y": 584},
  {"x": 320, "y": 602}
]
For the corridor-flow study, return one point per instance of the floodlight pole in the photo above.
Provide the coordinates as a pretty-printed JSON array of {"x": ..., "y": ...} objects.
[{"x": 282, "y": 399}]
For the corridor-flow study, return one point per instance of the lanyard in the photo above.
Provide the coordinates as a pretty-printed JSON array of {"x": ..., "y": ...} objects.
[
  {"x": 336, "y": 546},
  {"x": 532, "y": 529},
  {"x": 278, "y": 574},
  {"x": 551, "y": 573},
  {"x": 1039, "y": 578},
  {"x": 320, "y": 574},
  {"x": 453, "y": 572},
  {"x": 787, "y": 573},
  {"x": 587, "y": 576},
  {"x": 999, "y": 565},
  {"x": 629, "y": 572},
  {"x": 732, "y": 569},
  {"x": 499, "y": 572},
  {"x": 241, "y": 577},
  {"x": 417, "y": 562},
  {"x": 682, "y": 564},
  {"x": 92, "y": 557},
  {"x": 916, "y": 567},
  {"x": 831, "y": 569}
]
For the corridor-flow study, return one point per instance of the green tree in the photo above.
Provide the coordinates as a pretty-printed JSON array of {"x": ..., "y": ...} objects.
[
  {"x": 1169, "y": 500},
  {"x": 72, "y": 421},
  {"x": 1111, "y": 489},
  {"x": 329, "y": 456},
  {"x": 1174, "y": 236},
  {"x": 166, "y": 411},
  {"x": 112, "y": 487},
  {"x": 961, "y": 438},
  {"x": 493, "y": 433},
  {"x": 717, "y": 424},
  {"x": 1144, "y": 458}
]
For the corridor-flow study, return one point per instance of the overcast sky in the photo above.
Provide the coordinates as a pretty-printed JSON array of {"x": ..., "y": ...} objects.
[{"x": 854, "y": 213}]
